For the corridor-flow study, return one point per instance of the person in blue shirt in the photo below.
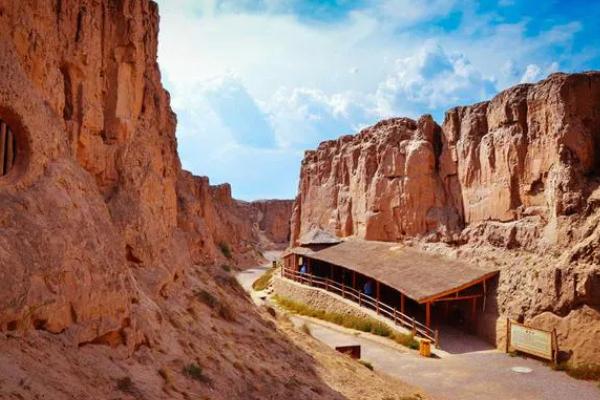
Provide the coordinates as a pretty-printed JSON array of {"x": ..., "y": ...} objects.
[
  {"x": 303, "y": 269},
  {"x": 368, "y": 288}
]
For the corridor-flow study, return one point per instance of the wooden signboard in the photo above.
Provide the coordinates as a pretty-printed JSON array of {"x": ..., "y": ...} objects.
[{"x": 532, "y": 341}]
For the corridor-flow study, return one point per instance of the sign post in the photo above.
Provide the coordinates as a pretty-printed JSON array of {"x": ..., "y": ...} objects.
[{"x": 532, "y": 341}]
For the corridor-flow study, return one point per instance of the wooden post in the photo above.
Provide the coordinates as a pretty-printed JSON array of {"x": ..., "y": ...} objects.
[
  {"x": 437, "y": 338},
  {"x": 395, "y": 316},
  {"x": 474, "y": 313},
  {"x": 554, "y": 347},
  {"x": 428, "y": 315},
  {"x": 343, "y": 289},
  {"x": 414, "y": 326},
  {"x": 507, "y": 335},
  {"x": 360, "y": 298},
  {"x": 402, "y": 301},
  {"x": 484, "y": 296}
]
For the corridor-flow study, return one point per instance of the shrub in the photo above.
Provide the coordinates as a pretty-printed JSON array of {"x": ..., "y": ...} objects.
[
  {"x": 364, "y": 324},
  {"x": 264, "y": 280},
  {"x": 194, "y": 371},
  {"x": 125, "y": 385},
  {"x": 407, "y": 340},
  {"x": 589, "y": 372},
  {"x": 225, "y": 249},
  {"x": 226, "y": 267},
  {"x": 366, "y": 364},
  {"x": 207, "y": 298},
  {"x": 223, "y": 309}
]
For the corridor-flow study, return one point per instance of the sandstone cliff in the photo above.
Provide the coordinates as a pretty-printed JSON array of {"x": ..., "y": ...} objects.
[
  {"x": 513, "y": 181},
  {"x": 111, "y": 254}
]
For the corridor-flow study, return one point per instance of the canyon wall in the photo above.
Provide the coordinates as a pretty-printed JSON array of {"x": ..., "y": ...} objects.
[
  {"x": 115, "y": 262},
  {"x": 513, "y": 182}
]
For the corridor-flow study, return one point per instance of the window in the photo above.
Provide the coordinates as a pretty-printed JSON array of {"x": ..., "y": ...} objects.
[{"x": 8, "y": 148}]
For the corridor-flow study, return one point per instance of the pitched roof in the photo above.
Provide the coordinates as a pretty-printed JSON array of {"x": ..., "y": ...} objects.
[
  {"x": 418, "y": 275},
  {"x": 318, "y": 236}
]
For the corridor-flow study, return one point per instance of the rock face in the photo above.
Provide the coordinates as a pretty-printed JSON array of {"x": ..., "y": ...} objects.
[
  {"x": 516, "y": 178},
  {"x": 214, "y": 222},
  {"x": 110, "y": 254}
]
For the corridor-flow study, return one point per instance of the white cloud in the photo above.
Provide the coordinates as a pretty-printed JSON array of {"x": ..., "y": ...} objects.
[
  {"x": 431, "y": 79},
  {"x": 534, "y": 72},
  {"x": 252, "y": 80},
  {"x": 303, "y": 117}
]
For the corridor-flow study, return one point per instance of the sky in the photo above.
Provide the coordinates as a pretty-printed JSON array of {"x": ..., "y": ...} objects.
[{"x": 255, "y": 83}]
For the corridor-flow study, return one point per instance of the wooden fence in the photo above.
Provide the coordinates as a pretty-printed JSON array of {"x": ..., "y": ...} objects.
[{"x": 363, "y": 300}]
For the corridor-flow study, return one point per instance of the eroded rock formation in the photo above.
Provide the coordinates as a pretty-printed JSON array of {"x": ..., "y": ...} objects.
[
  {"x": 515, "y": 179},
  {"x": 113, "y": 260}
]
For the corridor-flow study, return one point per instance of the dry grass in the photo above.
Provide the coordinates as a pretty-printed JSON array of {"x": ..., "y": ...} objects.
[
  {"x": 362, "y": 324},
  {"x": 194, "y": 371},
  {"x": 590, "y": 372},
  {"x": 366, "y": 364},
  {"x": 219, "y": 306},
  {"x": 264, "y": 280}
]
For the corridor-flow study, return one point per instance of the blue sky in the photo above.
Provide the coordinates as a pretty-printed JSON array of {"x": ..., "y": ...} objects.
[{"x": 256, "y": 82}]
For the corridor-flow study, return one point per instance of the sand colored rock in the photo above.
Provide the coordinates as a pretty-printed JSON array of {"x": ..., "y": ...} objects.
[
  {"x": 515, "y": 179},
  {"x": 112, "y": 263}
]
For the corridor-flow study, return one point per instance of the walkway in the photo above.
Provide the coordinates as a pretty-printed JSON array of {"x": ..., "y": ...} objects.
[{"x": 480, "y": 375}]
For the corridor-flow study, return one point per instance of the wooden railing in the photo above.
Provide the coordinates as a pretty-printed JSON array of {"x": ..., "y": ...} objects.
[{"x": 363, "y": 300}]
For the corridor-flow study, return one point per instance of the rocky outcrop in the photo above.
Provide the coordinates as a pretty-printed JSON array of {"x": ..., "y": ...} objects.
[
  {"x": 221, "y": 229},
  {"x": 113, "y": 274},
  {"x": 273, "y": 219},
  {"x": 515, "y": 178}
]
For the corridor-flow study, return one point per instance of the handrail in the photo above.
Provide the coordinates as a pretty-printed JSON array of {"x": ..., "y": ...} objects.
[{"x": 363, "y": 300}]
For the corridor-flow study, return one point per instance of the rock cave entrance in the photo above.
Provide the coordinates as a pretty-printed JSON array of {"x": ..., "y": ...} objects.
[{"x": 8, "y": 148}]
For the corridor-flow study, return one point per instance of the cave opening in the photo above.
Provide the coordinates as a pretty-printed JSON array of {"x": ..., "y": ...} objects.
[{"x": 8, "y": 148}]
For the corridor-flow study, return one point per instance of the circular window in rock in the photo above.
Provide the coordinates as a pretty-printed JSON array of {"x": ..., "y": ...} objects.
[{"x": 8, "y": 148}]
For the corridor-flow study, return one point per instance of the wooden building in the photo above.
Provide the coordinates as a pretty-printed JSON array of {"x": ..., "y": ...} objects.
[{"x": 432, "y": 289}]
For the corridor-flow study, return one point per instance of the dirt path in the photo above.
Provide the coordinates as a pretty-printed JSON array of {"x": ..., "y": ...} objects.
[
  {"x": 247, "y": 277},
  {"x": 479, "y": 375}
]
